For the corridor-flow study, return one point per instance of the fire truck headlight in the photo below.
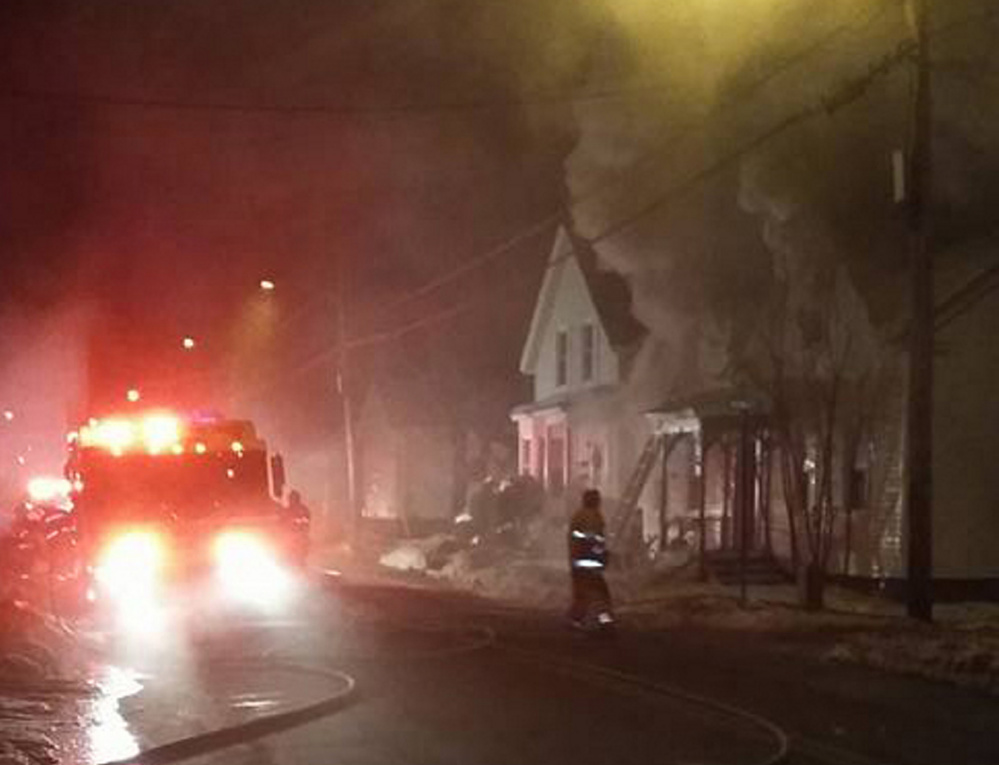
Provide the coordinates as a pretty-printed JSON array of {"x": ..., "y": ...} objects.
[
  {"x": 130, "y": 565},
  {"x": 249, "y": 570}
]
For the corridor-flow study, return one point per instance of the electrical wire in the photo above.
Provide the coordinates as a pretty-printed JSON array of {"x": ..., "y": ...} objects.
[
  {"x": 348, "y": 111},
  {"x": 374, "y": 338},
  {"x": 859, "y": 22},
  {"x": 846, "y": 94}
]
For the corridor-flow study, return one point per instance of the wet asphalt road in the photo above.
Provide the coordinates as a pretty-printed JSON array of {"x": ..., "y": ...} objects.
[{"x": 443, "y": 678}]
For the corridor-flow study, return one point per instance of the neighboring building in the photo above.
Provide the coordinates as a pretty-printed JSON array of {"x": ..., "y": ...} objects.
[
  {"x": 407, "y": 454},
  {"x": 582, "y": 430},
  {"x": 582, "y": 340},
  {"x": 965, "y": 429},
  {"x": 701, "y": 436}
]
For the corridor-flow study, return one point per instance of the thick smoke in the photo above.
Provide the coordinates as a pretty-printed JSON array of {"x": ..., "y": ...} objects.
[
  {"x": 43, "y": 382},
  {"x": 812, "y": 204},
  {"x": 702, "y": 263}
]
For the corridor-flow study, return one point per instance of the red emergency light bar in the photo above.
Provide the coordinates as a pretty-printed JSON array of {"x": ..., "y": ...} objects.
[{"x": 165, "y": 433}]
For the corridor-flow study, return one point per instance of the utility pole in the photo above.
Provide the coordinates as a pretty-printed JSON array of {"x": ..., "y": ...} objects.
[
  {"x": 343, "y": 389},
  {"x": 920, "y": 402}
]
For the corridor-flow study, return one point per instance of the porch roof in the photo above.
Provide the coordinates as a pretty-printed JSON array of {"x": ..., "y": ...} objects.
[
  {"x": 709, "y": 409},
  {"x": 562, "y": 401}
]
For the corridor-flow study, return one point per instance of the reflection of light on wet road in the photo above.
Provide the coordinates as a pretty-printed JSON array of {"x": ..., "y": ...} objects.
[
  {"x": 258, "y": 703},
  {"x": 109, "y": 736}
]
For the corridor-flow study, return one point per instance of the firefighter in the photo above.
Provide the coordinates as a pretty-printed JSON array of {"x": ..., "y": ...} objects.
[
  {"x": 588, "y": 558},
  {"x": 300, "y": 519}
]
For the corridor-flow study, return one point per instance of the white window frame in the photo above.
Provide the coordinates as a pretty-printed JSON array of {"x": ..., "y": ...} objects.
[
  {"x": 588, "y": 352},
  {"x": 562, "y": 358}
]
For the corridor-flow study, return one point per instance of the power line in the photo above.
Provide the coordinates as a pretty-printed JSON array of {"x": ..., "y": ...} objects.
[
  {"x": 861, "y": 21},
  {"x": 535, "y": 229},
  {"x": 539, "y": 98},
  {"x": 356, "y": 111},
  {"x": 845, "y": 94},
  {"x": 395, "y": 334},
  {"x": 375, "y": 338}
]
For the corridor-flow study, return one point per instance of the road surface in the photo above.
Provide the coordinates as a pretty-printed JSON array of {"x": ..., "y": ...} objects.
[{"x": 445, "y": 678}]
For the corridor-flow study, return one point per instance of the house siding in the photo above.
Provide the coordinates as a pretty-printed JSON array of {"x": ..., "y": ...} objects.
[
  {"x": 966, "y": 424},
  {"x": 573, "y": 309}
]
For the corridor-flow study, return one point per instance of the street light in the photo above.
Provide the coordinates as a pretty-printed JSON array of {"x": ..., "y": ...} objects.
[
  {"x": 8, "y": 415},
  {"x": 267, "y": 285},
  {"x": 133, "y": 395},
  {"x": 188, "y": 343}
]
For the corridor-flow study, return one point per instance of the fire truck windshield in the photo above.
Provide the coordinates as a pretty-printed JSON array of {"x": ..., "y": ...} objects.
[{"x": 143, "y": 486}]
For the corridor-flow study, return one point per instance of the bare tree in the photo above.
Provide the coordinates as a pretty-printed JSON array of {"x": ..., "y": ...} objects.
[{"x": 813, "y": 357}]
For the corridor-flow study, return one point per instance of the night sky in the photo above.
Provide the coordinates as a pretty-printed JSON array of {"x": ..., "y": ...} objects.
[{"x": 157, "y": 160}]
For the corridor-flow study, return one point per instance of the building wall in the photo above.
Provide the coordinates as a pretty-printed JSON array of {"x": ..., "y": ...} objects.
[
  {"x": 404, "y": 470},
  {"x": 378, "y": 462},
  {"x": 572, "y": 309},
  {"x": 426, "y": 488},
  {"x": 604, "y": 442},
  {"x": 966, "y": 427}
]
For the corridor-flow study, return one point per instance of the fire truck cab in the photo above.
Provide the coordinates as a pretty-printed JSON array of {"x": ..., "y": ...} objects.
[{"x": 168, "y": 503}]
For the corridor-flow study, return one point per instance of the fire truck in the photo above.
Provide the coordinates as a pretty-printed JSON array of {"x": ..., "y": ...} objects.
[{"x": 178, "y": 509}]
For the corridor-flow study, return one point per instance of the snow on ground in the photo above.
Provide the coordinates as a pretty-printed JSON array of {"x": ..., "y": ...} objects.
[
  {"x": 962, "y": 647},
  {"x": 44, "y": 697}
]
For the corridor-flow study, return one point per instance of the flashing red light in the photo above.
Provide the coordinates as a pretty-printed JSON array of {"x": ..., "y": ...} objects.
[
  {"x": 156, "y": 433},
  {"x": 131, "y": 563}
]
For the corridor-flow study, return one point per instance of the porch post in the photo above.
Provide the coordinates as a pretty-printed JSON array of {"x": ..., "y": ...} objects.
[
  {"x": 546, "y": 456},
  {"x": 701, "y": 464},
  {"x": 664, "y": 494},
  {"x": 744, "y": 501},
  {"x": 766, "y": 475},
  {"x": 726, "y": 493},
  {"x": 566, "y": 455}
]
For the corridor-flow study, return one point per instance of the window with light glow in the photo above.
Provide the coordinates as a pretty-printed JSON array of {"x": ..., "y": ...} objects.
[
  {"x": 588, "y": 357},
  {"x": 561, "y": 358}
]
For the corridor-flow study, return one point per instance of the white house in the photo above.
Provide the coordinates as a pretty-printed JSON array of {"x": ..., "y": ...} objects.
[{"x": 582, "y": 339}]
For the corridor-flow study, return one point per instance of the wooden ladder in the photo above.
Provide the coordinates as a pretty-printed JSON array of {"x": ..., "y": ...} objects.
[{"x": 633, "y": 490}]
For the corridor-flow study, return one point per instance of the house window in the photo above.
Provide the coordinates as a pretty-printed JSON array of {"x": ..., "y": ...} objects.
[
  {"x": 596, "y": 465},
  {"x": 525, "y": 457},
  {"x": 556, "y": 460},
  {"x": 859, "y": 488},
  {"x": 561, "y": 358},
  {"x": 588, "y": 350}
]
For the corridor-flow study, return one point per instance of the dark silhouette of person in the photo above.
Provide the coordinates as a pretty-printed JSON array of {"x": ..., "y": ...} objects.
[
  {"x": 588, "y": 557},
  {"x": 300, "y": 519}
]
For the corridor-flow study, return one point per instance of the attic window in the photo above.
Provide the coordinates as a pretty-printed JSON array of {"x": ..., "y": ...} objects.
[
  {"x": 588, "y": 350},
  {"x": 561, "y": 358}
]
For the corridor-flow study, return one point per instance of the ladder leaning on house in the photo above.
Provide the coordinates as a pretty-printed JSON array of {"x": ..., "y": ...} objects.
[{"x": 628, "y": 508}]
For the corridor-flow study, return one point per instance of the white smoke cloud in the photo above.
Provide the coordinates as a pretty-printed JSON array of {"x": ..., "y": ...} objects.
[{"x": 43, "y": 378}]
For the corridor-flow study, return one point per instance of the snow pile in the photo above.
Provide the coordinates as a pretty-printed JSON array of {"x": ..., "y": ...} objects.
[
  {"x": 968, "y": 658},
  {"x": 514, "y": 578},
  {"x": 420, "y": 554},
  {"x": 35, "y": 646},
  {"x": 405, "y": 557},
  {"x": 23, "y": 740},
  {"x": 963, "y": 648},
  {"x": 39, "y": 654}
]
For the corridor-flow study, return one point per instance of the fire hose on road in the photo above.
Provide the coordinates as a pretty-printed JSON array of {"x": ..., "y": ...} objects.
[
  {"x": 258, "y": 728},
  {"x": 775, "y": 742}
]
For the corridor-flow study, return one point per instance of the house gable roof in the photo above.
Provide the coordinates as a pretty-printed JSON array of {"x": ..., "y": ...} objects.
[
  {"x": 611, "y": 295},
  {"x": 607, "y": 290}
]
